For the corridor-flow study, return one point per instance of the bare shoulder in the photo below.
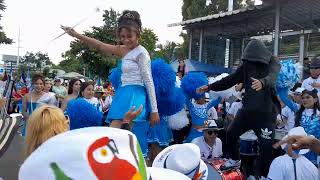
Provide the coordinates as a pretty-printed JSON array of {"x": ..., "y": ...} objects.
[{"x": 69, "y": 97}]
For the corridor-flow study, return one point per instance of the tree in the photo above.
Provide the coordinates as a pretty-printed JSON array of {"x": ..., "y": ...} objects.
[
  {"x": 3, "y": 38},
  {"x": 198, "y": 8},
  {"x": 35, "y": 62},
  {"x": 148, "y": 39},
  {"x": 99, "y": 64},
  {"x": 193, "y": 8},
  {"x": 70, "y": 64},
  {"x": 167, "y": 51},
  {"x": 80, "y": 54},
  {"x": 46, "y": 71}
]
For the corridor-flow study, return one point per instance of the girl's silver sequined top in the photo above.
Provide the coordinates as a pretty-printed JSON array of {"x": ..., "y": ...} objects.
[{"x": 136, "y": 70}]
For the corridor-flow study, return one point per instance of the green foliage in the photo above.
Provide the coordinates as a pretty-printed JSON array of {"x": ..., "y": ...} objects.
[
  {"x": 148, "y": 39},
  {"x": 46, "y": 71},
  {"x": 35, "y": 62},
  {"x": 167, "y": 51},
  {"x": 3, "y": 38},
  {"x": 198, "y": 8},
  {"x": 70, "y": 64},
  {"x": 81, "y": 56}
]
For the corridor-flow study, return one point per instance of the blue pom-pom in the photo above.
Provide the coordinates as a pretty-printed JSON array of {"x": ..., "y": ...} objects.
[
  {"x": 289, "y": 74},
  {"x": 83, "y": 114},
  {"x": 173, "y": 103},
  {"x": 115, "y": 76},
  {"x": 191, "y": 82},
  {"x": 164, "y": 77}
]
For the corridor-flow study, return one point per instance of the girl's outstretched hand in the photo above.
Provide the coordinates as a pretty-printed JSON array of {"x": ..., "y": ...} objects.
[{"x": 69, "y": 30}]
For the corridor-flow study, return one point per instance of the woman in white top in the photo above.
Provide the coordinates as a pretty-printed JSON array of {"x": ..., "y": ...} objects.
[{"x": 48, "y": 89}]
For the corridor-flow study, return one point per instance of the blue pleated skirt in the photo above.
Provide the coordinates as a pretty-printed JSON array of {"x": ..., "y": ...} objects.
[
  {"x": 194, "y": 133},
  {"x": 125, "y": 98},
  {"x": 161, "y": 133},
  {"x": 141, "y": 129}
]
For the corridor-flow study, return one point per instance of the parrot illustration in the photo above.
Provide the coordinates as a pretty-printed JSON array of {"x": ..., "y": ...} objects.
[
  {"x": 58, "y": 173},
  {"x": 104, "y": 162}
]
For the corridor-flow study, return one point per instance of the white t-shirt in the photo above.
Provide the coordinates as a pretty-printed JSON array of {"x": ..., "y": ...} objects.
[
  {"x": 286, "y": 112},
  {"x": 212, "y": 114},
  {"x": 207, "y": 152},
  {"x": 94, "y": 101},
  {"x": 282, "y": 168},
  {"x": 235, "y": 108},
  {"x": 108, "y": 101},
  {"x": 307, "y": 84}
]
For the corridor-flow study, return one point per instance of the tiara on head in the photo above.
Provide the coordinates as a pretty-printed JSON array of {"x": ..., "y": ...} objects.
[{"x": 129, "y": 15}]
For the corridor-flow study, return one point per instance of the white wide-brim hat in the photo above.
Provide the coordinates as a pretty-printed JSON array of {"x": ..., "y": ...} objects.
[
  {"x": 87, "y": 153},
  {"x": 183, "y": 158},
  {"x": 155, "y": 173},
  {"x": 298, "y": 131}
]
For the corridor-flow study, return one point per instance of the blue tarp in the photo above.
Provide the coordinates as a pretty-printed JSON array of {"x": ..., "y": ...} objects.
[{"x": 197, "y": 66}]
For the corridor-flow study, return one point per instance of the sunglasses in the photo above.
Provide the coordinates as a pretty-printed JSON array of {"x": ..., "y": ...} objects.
[{"x": 210, "y": 132}]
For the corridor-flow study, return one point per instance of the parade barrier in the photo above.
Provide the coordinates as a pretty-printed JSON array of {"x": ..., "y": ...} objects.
[{"x": 8, "y": 124}]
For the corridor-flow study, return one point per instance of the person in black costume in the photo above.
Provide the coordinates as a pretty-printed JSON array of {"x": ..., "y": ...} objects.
[{"x": 258, "y": 73}]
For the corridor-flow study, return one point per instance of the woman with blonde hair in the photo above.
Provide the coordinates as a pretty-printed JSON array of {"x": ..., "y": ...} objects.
[{"x": 44, "y": 123}]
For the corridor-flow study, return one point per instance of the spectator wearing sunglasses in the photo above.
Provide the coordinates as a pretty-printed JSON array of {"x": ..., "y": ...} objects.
[{"x": 210, "y": 145}]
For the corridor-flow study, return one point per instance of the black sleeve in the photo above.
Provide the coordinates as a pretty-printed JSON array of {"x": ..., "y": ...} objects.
[
  {"x": 274, "y": 68},
  {"x": 229, "y": 81}
]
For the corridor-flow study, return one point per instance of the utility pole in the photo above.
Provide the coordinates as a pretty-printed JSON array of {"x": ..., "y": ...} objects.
[{"x": 18, "y": 58}]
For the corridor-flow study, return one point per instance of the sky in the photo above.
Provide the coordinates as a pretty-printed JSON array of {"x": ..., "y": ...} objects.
[{"x": 40, "y": 20}]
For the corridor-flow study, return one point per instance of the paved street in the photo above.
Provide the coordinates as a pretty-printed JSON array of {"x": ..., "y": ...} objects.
[{"x": 12, "y": 159}]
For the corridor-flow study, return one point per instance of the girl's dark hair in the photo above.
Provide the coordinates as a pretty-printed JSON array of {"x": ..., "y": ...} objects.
[
  {"x": 316, "y": 106},
  {"x": 129, "y": 20},
  {"x": 181, "y": 69},
  {"x": 36, "y": 77},
  {"x": 71, "y": 83},
  {"x": 296, "y": 86},
  {"x": 106, "y": 84},
  {"x": 84, "y": 85}
]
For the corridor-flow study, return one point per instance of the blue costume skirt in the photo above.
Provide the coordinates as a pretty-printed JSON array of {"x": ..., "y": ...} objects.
[
  {"x": 31, "y": 107},
  {"x": 125, "y": 98},
  {"x": 194, "y": 133},
  {"x": 140, "y": 129},
  {"x": 160, "y": 133}
]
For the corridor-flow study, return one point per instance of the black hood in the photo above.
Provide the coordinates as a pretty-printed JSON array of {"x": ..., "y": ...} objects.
[{"x": 256, "y": 51}]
